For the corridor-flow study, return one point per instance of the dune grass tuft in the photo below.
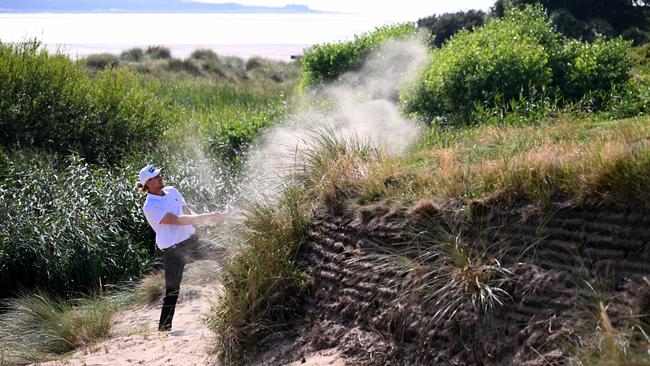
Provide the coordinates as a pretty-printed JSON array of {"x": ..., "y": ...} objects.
[
  {"x": 261, "y": 283},
  {"x": 36, "y": 326}
]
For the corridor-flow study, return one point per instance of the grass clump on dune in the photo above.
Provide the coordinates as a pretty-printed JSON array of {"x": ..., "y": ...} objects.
[
  {"x": 201, "y": 64},
  {"x": 579, "y": 159},
  {"x": 36, "y": 326},
  {"x": 261, "y": 283}
]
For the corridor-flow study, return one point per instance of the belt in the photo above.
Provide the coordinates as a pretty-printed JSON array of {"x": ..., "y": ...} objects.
[{"x": 192, "y": 237}]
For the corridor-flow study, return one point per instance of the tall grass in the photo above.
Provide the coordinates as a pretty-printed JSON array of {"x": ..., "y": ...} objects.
[
  {"x": 580, "y": 159},
  {"x": 226, "y": 118},
  {"x": 66, "y": 225},
  {"x": 332, "y": 168},
  {"x": 36, "y": 326},
  {"x": 67, "y": 222},
  {"x": 607, "y": 330},
  {"x": 261, "y": 283}
]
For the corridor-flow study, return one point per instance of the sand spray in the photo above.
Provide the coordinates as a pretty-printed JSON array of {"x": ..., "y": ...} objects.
[{"x": 361, "y": 105}]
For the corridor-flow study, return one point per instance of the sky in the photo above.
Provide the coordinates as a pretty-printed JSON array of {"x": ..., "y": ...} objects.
[{"x": 397, "y": 9}]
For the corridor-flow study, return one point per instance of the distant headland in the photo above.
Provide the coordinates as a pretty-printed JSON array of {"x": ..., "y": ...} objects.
[{"x": 142, "y": 6}]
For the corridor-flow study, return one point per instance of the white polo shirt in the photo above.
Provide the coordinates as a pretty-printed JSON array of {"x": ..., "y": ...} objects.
[{"x": 156, "y": 207}]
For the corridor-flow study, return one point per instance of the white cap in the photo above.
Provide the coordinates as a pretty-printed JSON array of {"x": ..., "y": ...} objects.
[{"x": 147, "y": 173}]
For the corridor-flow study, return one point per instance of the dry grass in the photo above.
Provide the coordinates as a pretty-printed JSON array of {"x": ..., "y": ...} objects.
[
  {"x": 36, "y": 326},
  {"x": 565, "y": 159},
  {"x": 438, "y": 269},
  {"x": 606, "y": 344},
  {"x": 334, "y": 168},
  {"x": 150, "y": 288}
]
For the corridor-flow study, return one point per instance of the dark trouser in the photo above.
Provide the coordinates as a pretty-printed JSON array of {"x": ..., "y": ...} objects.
[{"x": 175, "y": 259}]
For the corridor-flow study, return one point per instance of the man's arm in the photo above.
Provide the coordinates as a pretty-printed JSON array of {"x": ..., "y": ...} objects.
[
  {"x": 188, "y": 211},
  {"x": 192, "y": 219}
]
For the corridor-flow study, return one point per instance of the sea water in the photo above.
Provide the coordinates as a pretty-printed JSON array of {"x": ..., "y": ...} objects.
[{"x": 277, "y": 36}]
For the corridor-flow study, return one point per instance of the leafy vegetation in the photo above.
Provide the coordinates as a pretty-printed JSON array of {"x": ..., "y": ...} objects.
[
  {"x": 442, "y": 27},
  {"x": 47, "y": 102},
  {"x": 228, "y": 118},
  {"x": 70, "y": 220},
  {"x": 518, "y": 57},
  {"x": 202, "y": 64},
  {"x": 588, "y": 19},
  {"x": 69, "y": 226},
  {"x": 326, "y": 62}
]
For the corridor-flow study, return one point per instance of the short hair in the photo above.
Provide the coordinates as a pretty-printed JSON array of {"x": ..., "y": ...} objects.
[{"x": 141, "y": 188}]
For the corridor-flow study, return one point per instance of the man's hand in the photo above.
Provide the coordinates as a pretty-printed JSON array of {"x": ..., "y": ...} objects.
[{"x": 213, "y": 218}]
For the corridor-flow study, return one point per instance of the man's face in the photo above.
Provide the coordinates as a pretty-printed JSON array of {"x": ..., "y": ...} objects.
[{"x": 155, "y": 183}]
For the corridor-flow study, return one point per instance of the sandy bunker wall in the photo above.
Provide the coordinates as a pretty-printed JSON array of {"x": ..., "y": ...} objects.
[{"x": 552, "y": 256}]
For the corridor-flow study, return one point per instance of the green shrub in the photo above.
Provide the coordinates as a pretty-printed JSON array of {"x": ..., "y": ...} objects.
[
  {"x": 630, "y": 100},
  {"x": 65, "y": 225},
  {"x": 592, "y": 67},
  {"x": 499, "y": 61},
  {"x": 637, "y": 36},
  {"x": 253, "y": 63},
  {"x": 47, "y": 102},
  {"x": 158, "y": 52},
  {"x": 133, "y": 55},
  {"x": 568, "y": 25},
  {"x": 188, "y": 66},
  {"x": 442, "y": 27},
  {"x": 229, "y": 117},
  {"x": 326, "y": 62},
  {"x": 101, "y": 61},
  {"x": 203, "y": 55},
  {"x": 234, "y": 129},
  {"x": 518, "y": 57}
]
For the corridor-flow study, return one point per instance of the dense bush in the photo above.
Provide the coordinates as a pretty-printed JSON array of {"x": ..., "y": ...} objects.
[
  {"x": 568, "y": 25},
  {"x": 233, "y": 131},
  {"x": 133, "y": 55},
  {"x": 517, "y": 56},
  {"x": 621, "y": 14},
  {"x": 101, "y": 61},
  {"x": 203, "y": 54},
  {"x": 176, "y": 65},
  {"x": 586, "y": 68},
  {"x": 66, "y": 225},
  {"x": 158, "y": 52},
  {"x": 442, "y": 27},
  {"x": 47, "y": 102},
  {"x": 326, "y": 62},
  {"x": 635, "y": 35}
]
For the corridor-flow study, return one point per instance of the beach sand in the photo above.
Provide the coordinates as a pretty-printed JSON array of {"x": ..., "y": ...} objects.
[{"x": 135, "y": 339}]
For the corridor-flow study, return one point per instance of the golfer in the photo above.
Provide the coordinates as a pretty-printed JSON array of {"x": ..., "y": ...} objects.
[{"x": 171, "y": 219}]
